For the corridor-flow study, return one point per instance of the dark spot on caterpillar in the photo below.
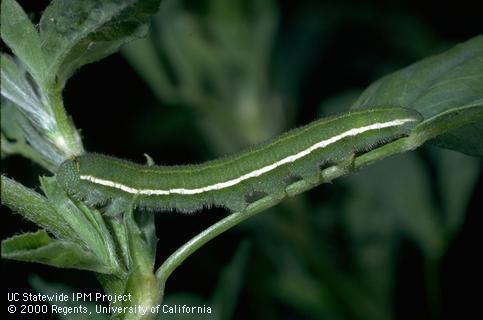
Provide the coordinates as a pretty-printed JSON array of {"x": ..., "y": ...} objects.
[{"x": 326, "y": 164}]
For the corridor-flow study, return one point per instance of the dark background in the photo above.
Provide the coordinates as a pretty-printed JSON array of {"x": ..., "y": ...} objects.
[{"x": 321, "y": 49}]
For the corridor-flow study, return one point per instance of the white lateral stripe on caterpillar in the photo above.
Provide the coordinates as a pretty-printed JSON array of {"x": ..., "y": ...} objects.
[{"x": 253, "y": 174}]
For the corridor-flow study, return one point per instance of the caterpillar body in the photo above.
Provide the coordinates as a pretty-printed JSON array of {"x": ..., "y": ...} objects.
[{"x": 235, "y": 180}]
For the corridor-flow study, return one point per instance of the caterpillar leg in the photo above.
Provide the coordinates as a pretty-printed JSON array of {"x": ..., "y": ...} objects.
[{"x": 346, "y": 164}]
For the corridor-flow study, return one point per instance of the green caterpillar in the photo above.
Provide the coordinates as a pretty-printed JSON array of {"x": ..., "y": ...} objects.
[{"x": 235, "y": 180}]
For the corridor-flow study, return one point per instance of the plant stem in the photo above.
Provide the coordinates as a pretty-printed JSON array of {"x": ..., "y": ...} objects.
[
  {"x": 142, "y": 284},
  {"x": 423, "y": 132},
  {"x": 206, "y": 235},
  {"x": 69, "y": 139},
  {"x": 298, "y": 187}
]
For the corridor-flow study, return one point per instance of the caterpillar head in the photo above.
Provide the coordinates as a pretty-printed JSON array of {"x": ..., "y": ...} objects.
[{"x": 68, "y": 176}]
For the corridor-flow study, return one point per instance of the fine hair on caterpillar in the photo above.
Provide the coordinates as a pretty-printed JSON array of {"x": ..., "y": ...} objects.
[{"x": 239, "y": 179}]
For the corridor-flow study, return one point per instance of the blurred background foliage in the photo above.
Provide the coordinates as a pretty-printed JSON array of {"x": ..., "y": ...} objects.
[{"x": 397, "y": 240}]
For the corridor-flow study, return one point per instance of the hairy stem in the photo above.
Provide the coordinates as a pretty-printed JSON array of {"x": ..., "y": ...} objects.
[
  {"x": 142, "y": 284},
  {"x": 298, "y": 187},
  {"x": 69, "y": 139}
]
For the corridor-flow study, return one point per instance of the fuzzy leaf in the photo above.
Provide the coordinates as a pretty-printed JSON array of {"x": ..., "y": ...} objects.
[
  {"x": 20, "y": 35},
  {"x": 40, "y": 247},
  {"x": 8, "y": 121},
  {"x": 75, "y": 33},
  {"x": 16, "y": 88},
  {"x": 88, "y": 224},
  {"x": 35, "y": 208},
  {"x": 61, "y": 217}
]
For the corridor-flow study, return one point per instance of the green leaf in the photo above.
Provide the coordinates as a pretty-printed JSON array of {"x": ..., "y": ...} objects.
[
  {"x": 61, "y": 217},
  {"x": 41, "y": 118},
  {"x": 20, "y": 35},
  {"x": 449, "y": 123},
  {"x": 75, "y": 33},
  {"x": 468, "y": 139},
  {"x": 91, "y": 231},
  {"x": 32, "y": 119},
  {"x": 16, "y": 88},
  {"x": 449, "y": 83},
  {"x": 8, "y": 121},
  {"x": 40, "y": 247},
  {"x": 35, "y": 208}
]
